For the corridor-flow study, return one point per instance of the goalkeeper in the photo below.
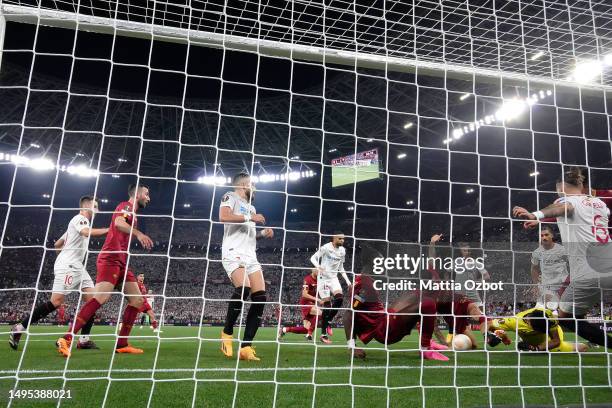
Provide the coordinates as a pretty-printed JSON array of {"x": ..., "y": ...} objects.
[{"x": 538, "y": 330}]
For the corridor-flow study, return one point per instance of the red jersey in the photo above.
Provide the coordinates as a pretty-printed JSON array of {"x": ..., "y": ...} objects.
[
  {"x": 606, "y": 197},
  {"x": 61, "y": 312},
  {"x": 114, "y": 250},
  {"x": 142, "y": 287},
  {"x": 366, "y": 324},
  {"x": 310, "y": 282}
]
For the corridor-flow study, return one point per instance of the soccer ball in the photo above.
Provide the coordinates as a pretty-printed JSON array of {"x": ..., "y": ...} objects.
[{"x": 461, "y": 342}]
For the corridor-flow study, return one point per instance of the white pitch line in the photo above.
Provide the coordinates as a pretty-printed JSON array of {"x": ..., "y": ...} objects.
[{"x": 264, "y": 369}]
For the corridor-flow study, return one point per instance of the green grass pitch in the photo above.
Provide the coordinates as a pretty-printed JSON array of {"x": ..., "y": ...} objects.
[
  {"x": 350, "y": 175},
  {"x": 186, "y": 364}
]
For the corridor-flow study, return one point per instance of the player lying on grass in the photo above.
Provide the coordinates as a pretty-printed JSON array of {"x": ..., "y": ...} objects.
[
  {"x": 583, "y": 223},
  {"x": 457, "y": 309},
  {"x": 112, "y": 271},
  {"x": 538, "y": 330},
  {"x": 311, "y": 313},
  {"x": 368, "y": 319},
  {"x": 70, "y": 273},
  {"x": 329, "y": 260}
]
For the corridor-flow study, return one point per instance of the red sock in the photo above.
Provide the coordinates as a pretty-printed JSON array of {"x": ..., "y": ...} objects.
[
  {"x": 129, "y": 315},
  {"x": 428, "y": 310},
  {"x": 296, "y": 329},
  {"x": 87, "y": 311}
]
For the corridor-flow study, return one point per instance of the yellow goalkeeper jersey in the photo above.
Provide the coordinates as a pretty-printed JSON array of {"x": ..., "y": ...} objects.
[{"x": 524, "y": 329}]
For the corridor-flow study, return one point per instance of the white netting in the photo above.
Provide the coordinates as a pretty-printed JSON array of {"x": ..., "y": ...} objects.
[{"x": 454, "y": 111}]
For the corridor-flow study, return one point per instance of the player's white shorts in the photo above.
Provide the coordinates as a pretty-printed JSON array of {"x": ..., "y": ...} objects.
[
  {"x": 327, "y": 287},
  {"x": 548, "y": 299},
  {"x": 581, "y": 295},
  {"x": 71, "y": 279},
  {"x": 234, "y": 260}
]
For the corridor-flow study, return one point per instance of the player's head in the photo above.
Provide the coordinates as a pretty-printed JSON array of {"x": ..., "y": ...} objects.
[
  {"x": 338, "y": 239},
  {"x": 572, "y": 182},
  {"x": 539, "y": 321},
  {"x": 547, "y": 236},
  {"x": 140, "y": 277},
  {"x": 464, "y": 249},
  {"x": 88, "y": 205},
  {"x": 242, "y": 182},
  {"x": 367, "y": 256},
  {"x": 314, "y": 272},
  {"x": 141, "y": 196}
]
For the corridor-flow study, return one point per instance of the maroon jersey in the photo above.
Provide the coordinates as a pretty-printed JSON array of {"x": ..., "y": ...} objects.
[
  {"x": 366, "y": 323},
  {"x": 114, "y": 250},
  {"x": 61, "y": 312},
  {"x": 142, "y": 287},
  {"x": 310, "y": 282}
]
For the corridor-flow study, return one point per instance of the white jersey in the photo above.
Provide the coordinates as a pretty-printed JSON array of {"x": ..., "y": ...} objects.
[
  {"x": 330, "y": 259},
  {"x": 150, "y": 300},
  {"x": 587, "y": 226},
  {"x": 75, "y": 245},
  {"x": 242, "y": 237},
  {"x": 552, "y": 263}
]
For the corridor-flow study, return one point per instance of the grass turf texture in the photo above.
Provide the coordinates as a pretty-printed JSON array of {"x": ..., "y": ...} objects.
[{"x": 322, "y": 372}]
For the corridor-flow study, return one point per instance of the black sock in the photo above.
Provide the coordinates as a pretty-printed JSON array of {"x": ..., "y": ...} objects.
[
  {"x": 40, "y": 311},
  {"x": 85, "y": 330},
  {"x": 325, "y": 318},
  {"x": 254, "y": 317},
  {"x": 234, "y": 308},
  {"x": 336, "y": 305},
  {"x": 587, "y": 331}
]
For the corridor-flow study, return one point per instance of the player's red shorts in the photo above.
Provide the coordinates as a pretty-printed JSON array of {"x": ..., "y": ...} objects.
[
  {"x": 457, "y": 315},
  {"x": 373, "y": 325},
  {"x": 114, "y": 274},
  {"x": 306, "y": 311}
]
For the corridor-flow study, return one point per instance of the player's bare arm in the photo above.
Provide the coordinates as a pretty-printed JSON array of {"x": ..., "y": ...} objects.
[
  {"x": 59, "y": 244},
  {"x": 553, "y": 210},
  {"x": 126, "y": 228},
  {"x": 267, "y": 233},
  {"x": 93, "y": 232}
]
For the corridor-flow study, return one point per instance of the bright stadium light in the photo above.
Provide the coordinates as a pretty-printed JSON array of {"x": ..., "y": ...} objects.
[
  {"x": 350, "y": 208},
  {"x": 295, "y": 157},
  {"x": 587, "y": 71},
  {"x": 401, "y": 155},
  {"x": 408, "y": 125},
  {"x": 104, "y": 200},
  {"x": 370, "y": 140},
  {"x": 187, "y": 205},
  {"x": 511, "y": 109},
  {"x": 534, "y": 173},
  {"x": 115, "y": 176},
  {"x": 409, "y": 202},
  {"x": 608, "y": 59},
  {"x": 332, "y": 150},
  {"x": 41, "y": 164},
  {"x": 46, "y": 196},
  {"x": 537, "y": 55},
  {"x": 469, "y": 190},
  {"x": 82, "y": 171},
  {"x": 294, "y": 210},
  {"x": 35, "y": 145},
  {"x": 465, "y": 96},
  {"x": 121, "y": 160}
]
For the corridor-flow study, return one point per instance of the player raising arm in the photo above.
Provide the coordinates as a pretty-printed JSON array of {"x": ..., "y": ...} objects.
[
  {"x": 329, "y": 260},
  {"x": 583, "y": 224},
  {"x": 69, "y": 271},
  {"x": 240, "y": 263},
  {"x": 113, "y": 271},
  {"x": 310, "y": 310}
]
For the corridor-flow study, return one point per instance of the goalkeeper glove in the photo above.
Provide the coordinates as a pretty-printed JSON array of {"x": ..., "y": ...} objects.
[{"x": 493, "y": 340}]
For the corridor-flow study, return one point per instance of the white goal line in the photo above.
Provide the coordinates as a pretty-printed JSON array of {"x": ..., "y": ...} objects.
[{"x": 288, "y": 369}]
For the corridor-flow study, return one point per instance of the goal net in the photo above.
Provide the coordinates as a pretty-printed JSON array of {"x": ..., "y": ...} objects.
[{"x": 389, "y": 121}]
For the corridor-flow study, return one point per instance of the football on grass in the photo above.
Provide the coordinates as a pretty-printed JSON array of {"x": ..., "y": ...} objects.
[{"x": 461, "y": 342}]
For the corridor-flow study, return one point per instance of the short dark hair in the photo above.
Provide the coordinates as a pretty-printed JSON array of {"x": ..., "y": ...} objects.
[
  {"x": 132, "y": 189},
  {"x": 239, "y": 176},
  {"x": 548, "y": 228},
  {"x": 540, "y": 322},
  {"x": 573, "y": 177},
  {"x": 86, "y": 198},
  {"x": 337, "y": 232}
]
